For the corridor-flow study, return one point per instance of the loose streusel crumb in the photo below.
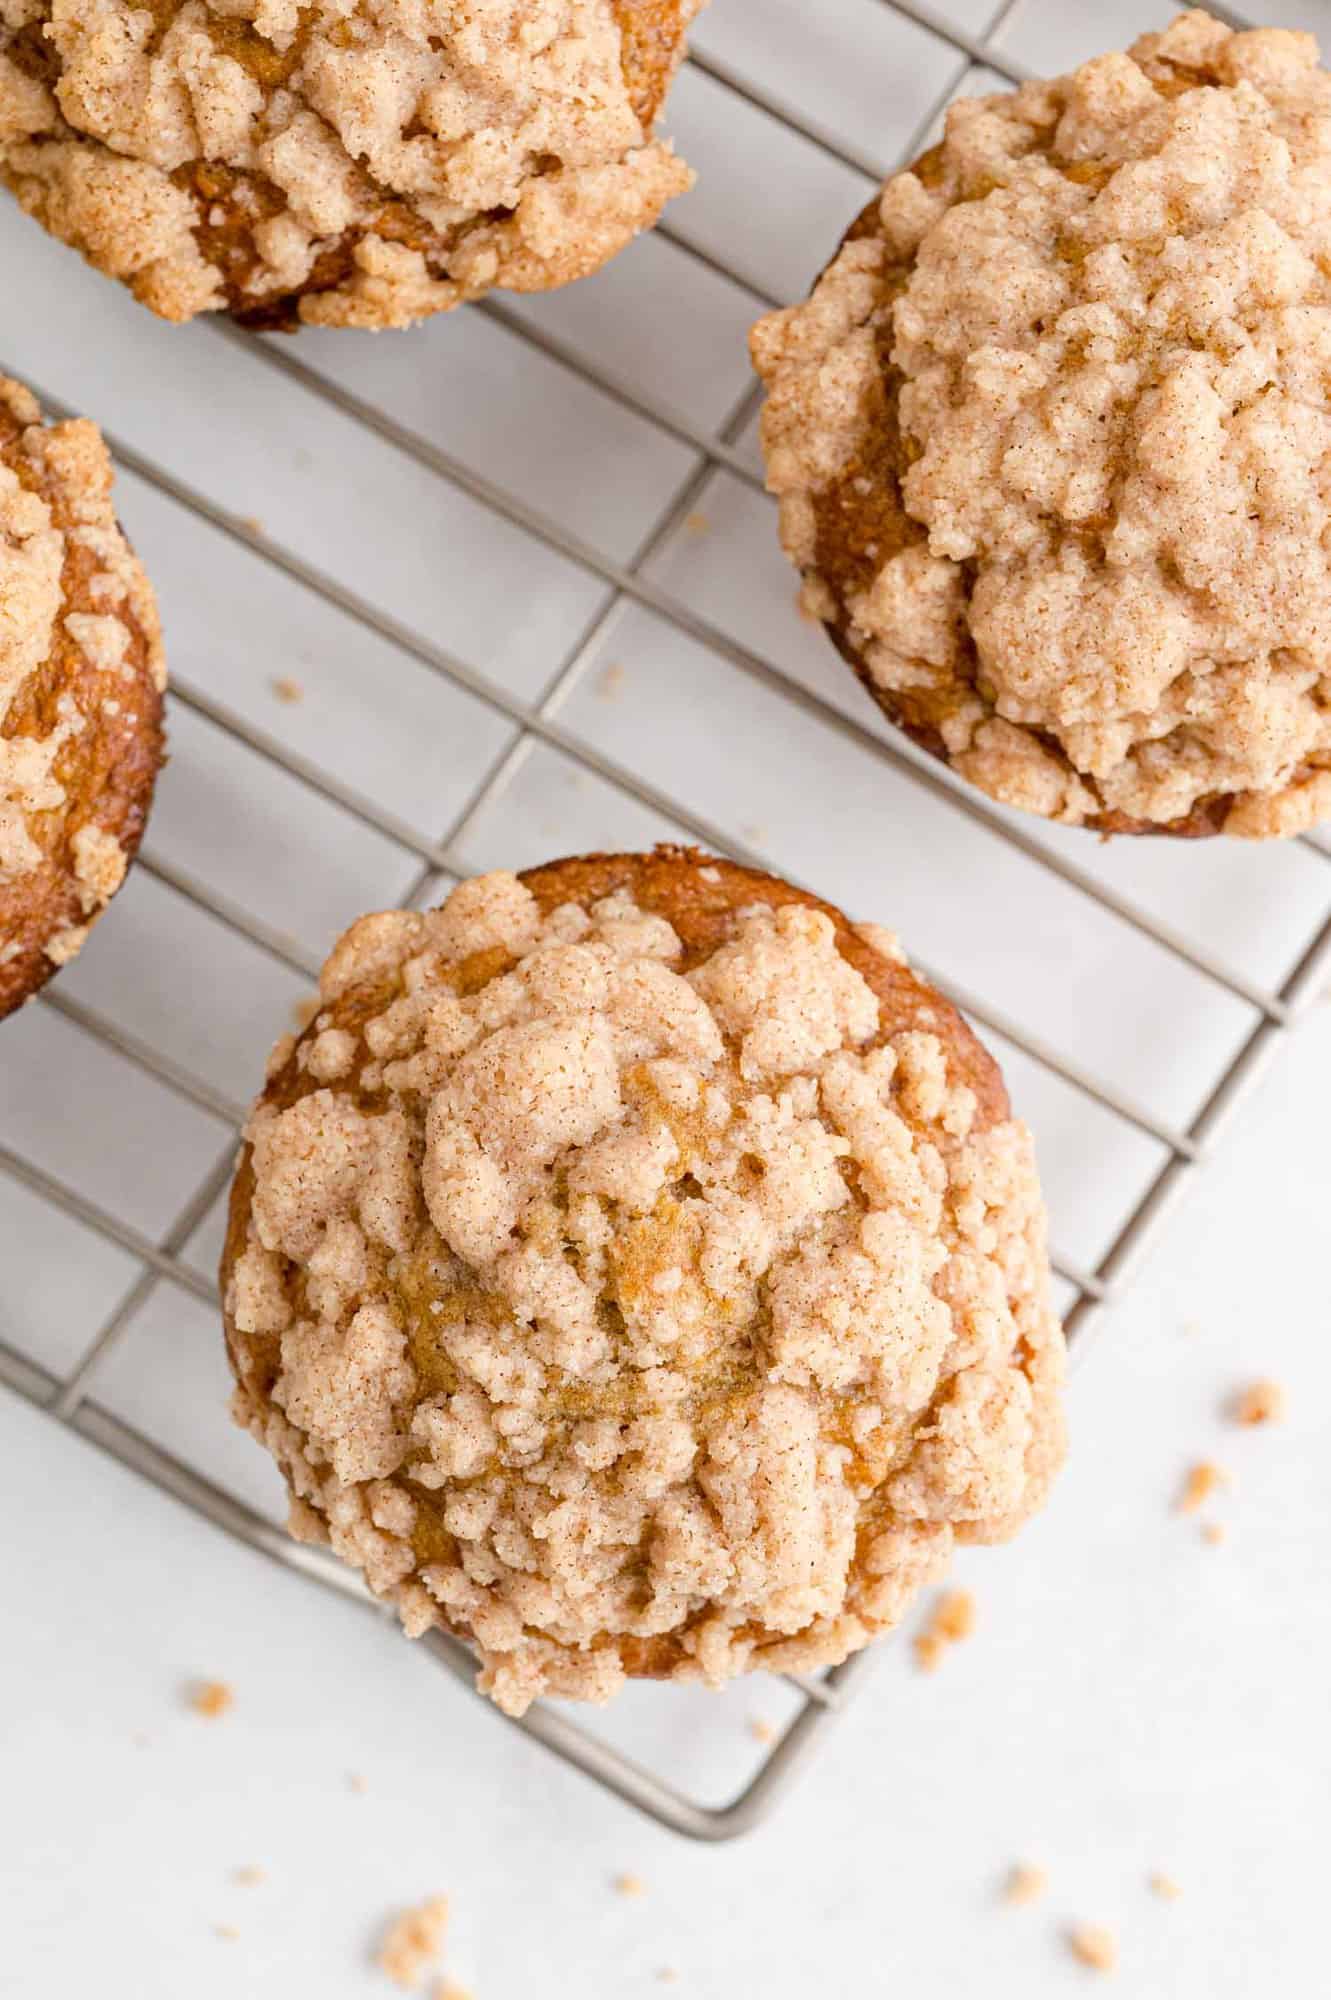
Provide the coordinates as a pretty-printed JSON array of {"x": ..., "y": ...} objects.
[
  {"x": 344, "y": 166},
  {"x": 357, "y": 1783},
  {"x": 1094, "y": 1945},
  {"x": 412, "y": 1943},
  {"x": 697, "y": 523},
  {"x": 288, "y": 690},
  {"x": 610, "y": 686},
  {"x": 630, "y": 1885},
  {"x": 1213, "y": 1533},
  {"x": 228, "y": 1932},
  {"x": 1025, "y": 1884},
  {"x": 249, "y": 1876},
  {"x": 81, "y": 678},
  {"x": 449, "y": 1989},
  {"x": 1200, "y": 1482},
  {"x": 761, "y": 1730},
  {"x": 1165, "y": 1887},
  {"x": 634, "y": 1308},
  {"x": 951, "y": 1619},
  {"x": 1259, "y": 1403},
  {"x": 1049, "y": 439},
  {"x": 211, "y": 1698}
]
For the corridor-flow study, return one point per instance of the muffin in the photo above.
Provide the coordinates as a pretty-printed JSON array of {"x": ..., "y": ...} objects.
[
  {"x": 634, "y": 1268},
  {"x": 1052, "y": 434},
  {"x": 340, "y": 166},
  {"x": 81, "y": 680}
]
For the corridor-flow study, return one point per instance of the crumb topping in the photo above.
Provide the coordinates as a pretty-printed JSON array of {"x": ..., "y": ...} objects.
[
  {"x": 61, "y": 548},
  {"x": 1051, "y": 434},
  {"x": 596, "y": 1302},
  {"x": 380, "y": 162}
]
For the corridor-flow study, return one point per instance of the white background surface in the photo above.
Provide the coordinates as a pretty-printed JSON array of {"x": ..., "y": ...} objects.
[{"x": 1133, "y": 1699}]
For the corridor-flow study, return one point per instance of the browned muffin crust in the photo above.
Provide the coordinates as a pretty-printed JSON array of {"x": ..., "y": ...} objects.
[
  {"x": 936, "y": 603},
  {"x": 241, "y": 218},
  {"x": 703, "y": 900},
  {"x": 101, "y": 699}
]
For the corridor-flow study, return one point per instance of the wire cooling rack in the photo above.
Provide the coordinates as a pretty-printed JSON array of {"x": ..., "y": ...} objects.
[{"x": 521, "y": 565}]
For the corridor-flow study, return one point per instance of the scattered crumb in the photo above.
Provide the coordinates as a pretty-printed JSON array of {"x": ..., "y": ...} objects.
[
  {"x": 1191, "y": 1327},
  {"x": 630, "y": 1885},
  {"x": 140, "y": 1739},
  {"x": 1025, "y": 1883},
  {"x": 951, "y": 1619},
  {"x": 1259, "y": 1403},
  {"x": 287, "y": 689},
  {"x": 761, "y": 1730},
  {"x": 227, "y": 1931},
  {"x": 668, "y": 1976},
  {"x": 253, "y": 523},
  {"x": 1166, "y": 1887},
  {"x": 1213, "y": 1533},
  {"x": 1200, "y": 1483},
  {"x": 210, "y": 1698},
  {"x": 413, "y": 1942},
  {"x": 448, "y": 1989},
  {"x": 1094, "y": 1945},
  {"x": 697, "y": 523},
  {"x": 248, "y": 1876},
  {"x": 611, "y": 683},
  {"x": 356, "y": 1782}
]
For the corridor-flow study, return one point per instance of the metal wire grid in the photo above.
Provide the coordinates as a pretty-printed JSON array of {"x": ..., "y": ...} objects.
[{"x": 537, "y": 723}]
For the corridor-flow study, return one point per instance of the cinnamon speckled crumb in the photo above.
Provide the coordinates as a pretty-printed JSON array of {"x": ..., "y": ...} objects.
[
  {"x": 1025, "y": 1883},
  {"x": 1200, "y": 1482},
  {"x": 1259, "y": 1403},
  {"x": 1095, "y": 1946},
  {"x": 210, "y": 1698},
  {"x": 412, "y": 1942}
]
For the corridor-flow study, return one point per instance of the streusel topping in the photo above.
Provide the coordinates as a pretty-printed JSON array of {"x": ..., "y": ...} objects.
[
  {"x": 1052, "y": 437},
  {"x": 590, "y": 1300},
  {"x": 395, "y": 158},
  {"x": 76, "y": 616}
]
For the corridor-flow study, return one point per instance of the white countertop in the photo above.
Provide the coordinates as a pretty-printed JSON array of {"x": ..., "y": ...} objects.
[{"x": 325, "y": 509}]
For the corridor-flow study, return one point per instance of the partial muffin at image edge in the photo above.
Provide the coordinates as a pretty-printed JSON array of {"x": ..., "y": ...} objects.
[
  {"x": 81, "y": 682},
  {"x": 309, "y": 164},
  {"x": 1050, "y": 440},
  {"x": 635, "y": 1269}
]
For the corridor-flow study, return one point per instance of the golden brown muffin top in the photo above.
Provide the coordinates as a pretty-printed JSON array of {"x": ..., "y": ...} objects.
[
  {"x": 81, "y": 677},
  {"x": 636, "y": 1269},
  {"x": 374, "y": 164},
  {"x": 1051, "y": 438}
]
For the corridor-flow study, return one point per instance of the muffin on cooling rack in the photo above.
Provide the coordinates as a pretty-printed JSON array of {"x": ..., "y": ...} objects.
[
  {"x": 81, "y": 680},
  {"x": 635, "y": 1269},
  {"x": 1051, "y": 439},
  {"x": 339, "y": 165}
]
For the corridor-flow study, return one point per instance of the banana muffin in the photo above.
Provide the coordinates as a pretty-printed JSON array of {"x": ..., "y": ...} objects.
[
  {"x": 81, "y": 680},
  {"x": 635, "y": 1269},
  {"x": 338, "y": 164},
  {"x": 1052, "y": 439}
]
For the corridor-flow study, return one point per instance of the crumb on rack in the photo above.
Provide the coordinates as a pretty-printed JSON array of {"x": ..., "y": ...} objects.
[
  {"x": 611, "y": 683},
  {"x": 248, "y": 1876},
  {"x": 1025, "y": 1883},
  {"x": 1094, "y": 1945},
  {"x": 412, "y": 1942},
  {"x": 1260, "y": 1403},
  {"x": 697, "y": 522},
  {"x": 1213, "y": 1533},
  {"x": 630, "y": 1885},
  {"x": 253, "y": 523},
  {"x": 951, "y": 1619},
  {"x": 1199, "y": 1484},
  {"x": 761, "y": 1730},
  {"x": 210, "y": 1698},
  {"x": 286, "y": 689},
  {"x": 1165, "y": 1887}
]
